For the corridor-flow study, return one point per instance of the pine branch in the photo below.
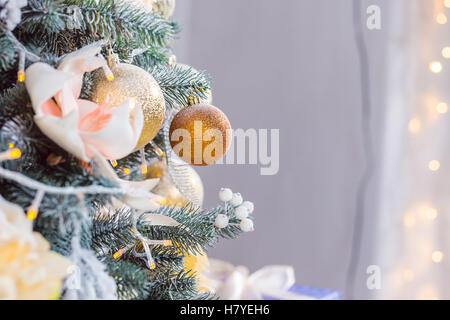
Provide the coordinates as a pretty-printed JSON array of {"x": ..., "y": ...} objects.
[
  {"x": 196, "y": 232},
  {"x": 62, "y": 26},
  {"x": 59, "y": 230},
  {"x": 167, "y": 257},
  {"x": 112, "y": 231},
  {"x": 151, "y": 57},
  {"x": 7, "y": 52},
  {"x": 131, "y": 281},
  {"x": 14, "y": 102},
  {"x": 173, "y": 286},
  {"x": 43, "y": 16},
  {"x": 123, "y": 22},
  {"x": 181, "y": 85},
  {"x": 198, "y": 229}
]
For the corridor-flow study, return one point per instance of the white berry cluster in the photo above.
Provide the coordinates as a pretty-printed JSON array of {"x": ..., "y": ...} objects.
[
  {"x": 240, "y": 208},
  {"x": 10, "y": 13}
]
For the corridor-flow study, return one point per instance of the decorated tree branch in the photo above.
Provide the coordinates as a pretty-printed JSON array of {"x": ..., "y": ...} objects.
[{"x": 92, "y": 178}]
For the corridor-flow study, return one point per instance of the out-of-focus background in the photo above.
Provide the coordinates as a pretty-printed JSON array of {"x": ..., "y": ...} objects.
[{"x": 294, "y": 65}]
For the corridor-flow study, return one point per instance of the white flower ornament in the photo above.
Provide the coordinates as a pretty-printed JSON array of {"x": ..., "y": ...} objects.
[
  {"x": 88, "y": 130},
  {"x": 79, "y": 126}
]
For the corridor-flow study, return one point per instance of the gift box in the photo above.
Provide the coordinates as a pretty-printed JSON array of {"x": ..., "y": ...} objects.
[
  {"x": 275, "y": 282},
  {"x": 309, "y": 293}
]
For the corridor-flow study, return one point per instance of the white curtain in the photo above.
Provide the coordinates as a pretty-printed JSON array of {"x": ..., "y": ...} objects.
[{"x": 414, "y": 213}]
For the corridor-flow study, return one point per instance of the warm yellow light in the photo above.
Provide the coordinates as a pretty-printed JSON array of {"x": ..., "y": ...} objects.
[
  {"x": 144, "y": 169},
  {"x": 441, "y": 18},
  {"x": 126, "y": 171},
  {"x": 447, "y": 3},
  {"x": 430, "y": 213},
  {"x": 10, "y": 154},
  {"x": 167, "y": 243},
  {"x": 10, "y": 145},
  {"x": 414, "y": 125},
  {"x": 114, "y": 163},
  {"x": 437, "y": 256},
  {"x": 446, "y": 52},
  {"x": 21, "y": 76},
  {"x": 31, "y": 214},
  {"x": 428, "y": 292},
  {"x": 434, "y": 165},
  {"x": 436, "y": 66},
  {"x": 118, "y": 254},
  {"x": 409, "y": 220},
  {"x": 407, "y": 274},
  {"x": 15, "y": 153},
  {"x": 442, "y": 107}
]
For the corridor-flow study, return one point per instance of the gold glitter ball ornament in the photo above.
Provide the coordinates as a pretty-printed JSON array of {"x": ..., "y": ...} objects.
[
  {"x": 132, "y": 82},
  {"x": 200, "y": 134},
  {"x": 167, "y": 189}
]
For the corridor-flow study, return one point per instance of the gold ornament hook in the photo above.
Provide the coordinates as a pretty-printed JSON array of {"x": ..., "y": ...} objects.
[{"x": 112, "y": 58}]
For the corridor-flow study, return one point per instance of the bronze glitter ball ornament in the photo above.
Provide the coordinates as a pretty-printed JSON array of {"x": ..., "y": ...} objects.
[
  {"x": 200, "y": 134},
  {"x": 132, "y": 82}
]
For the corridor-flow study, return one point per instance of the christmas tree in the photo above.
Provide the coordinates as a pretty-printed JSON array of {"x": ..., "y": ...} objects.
[{"x": 96, "y": 201}]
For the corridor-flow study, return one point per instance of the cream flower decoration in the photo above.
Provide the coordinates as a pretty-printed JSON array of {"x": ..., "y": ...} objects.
[
  {"x": 84, "y": 128},
  {"x": 79, "y": 126},
  {"x": 28, "y": 269}
]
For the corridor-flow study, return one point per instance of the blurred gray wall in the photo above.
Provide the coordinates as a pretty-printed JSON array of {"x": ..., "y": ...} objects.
[{"x": 292, "y": 65}]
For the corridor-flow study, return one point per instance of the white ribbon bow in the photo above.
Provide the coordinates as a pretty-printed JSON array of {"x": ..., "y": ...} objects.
[{"x": 236, "y": 283}]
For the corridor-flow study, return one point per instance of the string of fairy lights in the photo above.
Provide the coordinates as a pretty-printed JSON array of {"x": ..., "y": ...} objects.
[
  {"x": 428, "y": 211},
  {"x": 14, "y": 153},
  {"x": 141, "y": 245}
]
